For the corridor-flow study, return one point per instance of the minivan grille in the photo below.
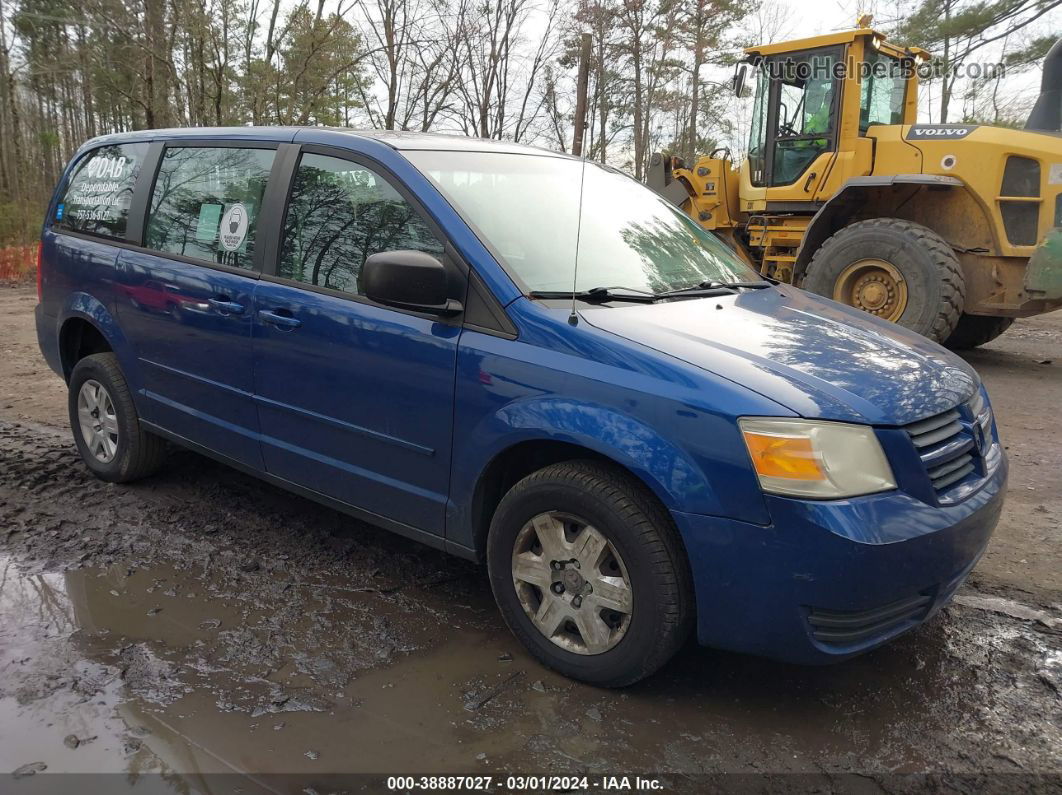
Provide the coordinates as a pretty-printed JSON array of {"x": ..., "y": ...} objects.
[
  {"x": 948, "y": 445},
  {"x": 842, "y": 628}
]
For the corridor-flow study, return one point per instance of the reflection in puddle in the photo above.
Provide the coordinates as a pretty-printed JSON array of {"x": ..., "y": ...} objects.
[
  {"x": 199, "y": 672},
  {"x": 162, "y": 670}
]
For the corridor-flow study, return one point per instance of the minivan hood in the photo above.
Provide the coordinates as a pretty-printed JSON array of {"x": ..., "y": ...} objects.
[{"x": 815, "y": 357}]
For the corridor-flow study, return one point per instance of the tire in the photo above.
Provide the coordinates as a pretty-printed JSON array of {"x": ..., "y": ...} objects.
[
  {"x": 643, "y": 552},
  {"x": 974, "y": 330},
  {"x": 932, "y": 276},
  {"x": 128, "y": 452}
]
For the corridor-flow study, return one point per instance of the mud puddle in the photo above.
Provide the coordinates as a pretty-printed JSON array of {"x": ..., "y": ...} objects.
[
  {"x": 205, "y": 622},
  {"x": 138, "y": 670}
]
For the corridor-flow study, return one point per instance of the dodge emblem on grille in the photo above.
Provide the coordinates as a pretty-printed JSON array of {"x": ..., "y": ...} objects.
[{"x": 979, "y": 438}]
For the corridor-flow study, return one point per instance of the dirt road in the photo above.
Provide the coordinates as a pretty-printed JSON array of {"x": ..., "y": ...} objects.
[{"x": 202, "y": 621}]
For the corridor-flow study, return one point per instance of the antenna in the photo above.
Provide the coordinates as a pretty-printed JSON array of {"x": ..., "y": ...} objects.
[
  {"x": 577, "y": 149},
  {"x": 573, "y": 318}
]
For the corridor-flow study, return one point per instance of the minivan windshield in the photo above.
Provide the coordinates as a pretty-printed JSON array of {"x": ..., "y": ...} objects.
[{"x": 525, "y": 207}]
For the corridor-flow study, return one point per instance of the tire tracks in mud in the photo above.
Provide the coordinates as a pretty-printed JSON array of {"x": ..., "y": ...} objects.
[
  {"x": 307, "y": 594},
  {"x": 196, "y": 509}
]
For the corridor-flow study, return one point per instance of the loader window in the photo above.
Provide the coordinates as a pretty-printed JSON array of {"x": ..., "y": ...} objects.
[
  {"x": 804, "y": 118},
  {"x": 758, "y": 129},
  {"x": 881, "y": 93}
]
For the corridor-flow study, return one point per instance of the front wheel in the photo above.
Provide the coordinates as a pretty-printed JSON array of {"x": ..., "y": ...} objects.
[
  {"x": 589, "y": 573},
  {"x": 894, "y": 269}
]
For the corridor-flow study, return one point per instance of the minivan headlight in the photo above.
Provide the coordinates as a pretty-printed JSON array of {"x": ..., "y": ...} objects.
[{"x": 823, "y": 460}]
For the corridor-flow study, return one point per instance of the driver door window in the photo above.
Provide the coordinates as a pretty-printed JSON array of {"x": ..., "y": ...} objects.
[
  {"x": 804, "y": 122},
  {"x": 339, "y": 214}
]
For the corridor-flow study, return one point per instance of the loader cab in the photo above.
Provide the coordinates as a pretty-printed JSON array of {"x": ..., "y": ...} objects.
[
  {"x": 834, "y": 159},
  {"x": 794, "y": 114},
  {"x": 814, "y": 100}
]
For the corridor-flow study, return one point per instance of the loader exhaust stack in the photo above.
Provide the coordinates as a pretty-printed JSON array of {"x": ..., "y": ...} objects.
[{"x": 1046, "y": 115}]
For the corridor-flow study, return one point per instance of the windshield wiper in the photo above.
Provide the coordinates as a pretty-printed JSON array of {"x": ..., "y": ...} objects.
[
  {"x": 636, "y": 295},
  {"x": 762, "y": 284},
  {"x": 600, "y": 294},
  {"x": 713, "y": 288}
]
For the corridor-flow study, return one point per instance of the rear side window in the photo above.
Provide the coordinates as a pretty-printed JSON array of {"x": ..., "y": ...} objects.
[
  {"x": 100, "y": 190},
  {"x": 206, "y": 203},
  {"x": 339, "y": 214}
]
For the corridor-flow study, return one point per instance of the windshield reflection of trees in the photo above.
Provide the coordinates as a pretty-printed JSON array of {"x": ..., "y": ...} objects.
[{"x": 674, "y": 257}]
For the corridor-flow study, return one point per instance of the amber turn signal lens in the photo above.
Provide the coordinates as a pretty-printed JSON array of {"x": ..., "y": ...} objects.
[
  {"x": 784, "y": 456},
  {"x": 818, "y": 459}
]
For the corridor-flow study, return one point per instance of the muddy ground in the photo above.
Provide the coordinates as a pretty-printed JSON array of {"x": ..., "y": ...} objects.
[{"x": 204, "y": 622}]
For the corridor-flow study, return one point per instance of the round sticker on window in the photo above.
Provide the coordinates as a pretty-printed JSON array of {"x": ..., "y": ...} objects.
[{"x": 233, "y": 227}]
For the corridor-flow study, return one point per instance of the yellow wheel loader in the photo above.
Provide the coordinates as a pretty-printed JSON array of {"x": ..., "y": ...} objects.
[{"x": 952, "y": 230}]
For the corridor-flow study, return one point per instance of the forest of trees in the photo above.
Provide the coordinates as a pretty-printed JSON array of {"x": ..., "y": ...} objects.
[{"x": 490, "y": 68}]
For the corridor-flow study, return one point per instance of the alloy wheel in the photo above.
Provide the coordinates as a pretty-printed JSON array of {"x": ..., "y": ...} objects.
[
  {"x": 572, "y": 583},
  {"x": 98, "y": 421}
]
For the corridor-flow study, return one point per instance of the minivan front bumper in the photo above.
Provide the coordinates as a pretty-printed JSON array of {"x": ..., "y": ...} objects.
[{"x": 828, "y": 580}]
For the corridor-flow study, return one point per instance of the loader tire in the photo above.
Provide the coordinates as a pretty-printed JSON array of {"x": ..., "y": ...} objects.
[
  {"x": 894, "y": 269},
  {"x": 974, "y": 330}
]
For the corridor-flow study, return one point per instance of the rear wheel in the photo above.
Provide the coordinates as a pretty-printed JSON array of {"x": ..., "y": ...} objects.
[
  {"x": 589, "y": 573},
  {"x": 974, "y": 330},
  {"x": 894, "y": 269},
  {"x": 106, "y": 427}
]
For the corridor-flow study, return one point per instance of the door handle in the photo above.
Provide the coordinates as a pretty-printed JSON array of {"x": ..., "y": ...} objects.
[
  {"x": 807, "y": 182},
  {"x": 274, "y": 318},
  {"x": 225, "y": 306}
]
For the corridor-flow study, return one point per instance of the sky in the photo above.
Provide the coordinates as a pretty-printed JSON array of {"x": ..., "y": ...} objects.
[
  {"x": 780, "y": 20},
  {"x": 832, "y": 15}
]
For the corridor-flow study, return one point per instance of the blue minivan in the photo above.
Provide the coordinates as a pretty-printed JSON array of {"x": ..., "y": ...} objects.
[{"x": 525, "y": 359}]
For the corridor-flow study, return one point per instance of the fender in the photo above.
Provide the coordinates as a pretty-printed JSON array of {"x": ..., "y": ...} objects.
[
  {"x": 87, "y": 307},
  {"x": 664, "y": 467},
  {"x": 841, "y": 204}
]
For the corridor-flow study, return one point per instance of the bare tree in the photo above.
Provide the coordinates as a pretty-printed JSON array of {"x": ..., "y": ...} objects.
[{"x": 650, "y": 35}]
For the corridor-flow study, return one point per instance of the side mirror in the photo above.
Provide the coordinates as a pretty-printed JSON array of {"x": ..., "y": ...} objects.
[
  {"x": 408, "y": 280},
  {"x": 738, "y": 81}
]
